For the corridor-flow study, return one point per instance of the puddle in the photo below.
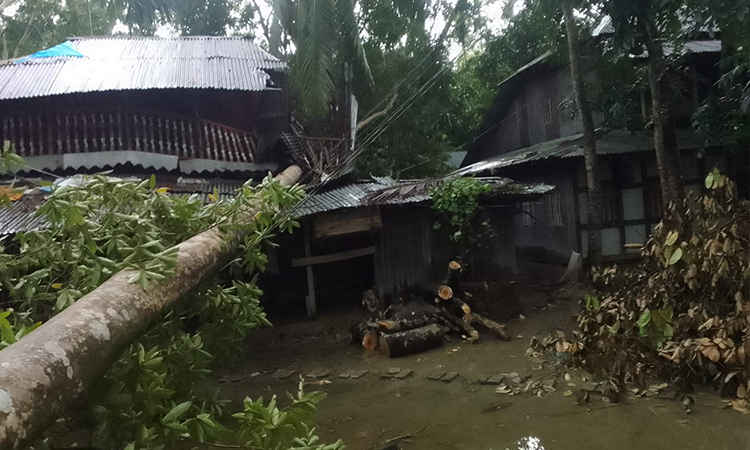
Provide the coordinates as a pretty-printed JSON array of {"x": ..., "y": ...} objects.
[{"x": 462, "y": 414}]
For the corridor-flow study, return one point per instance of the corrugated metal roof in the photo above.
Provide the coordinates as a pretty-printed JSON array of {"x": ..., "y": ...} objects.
[
  {"x": 386, "y": 191},
  {"x": 134, "y": 63},
  {"x": 350, "y": 195},
  {"x": 20, "y": 216},
  {"x": 609, "y": 142},
  {"x": 417, "y": 191}
]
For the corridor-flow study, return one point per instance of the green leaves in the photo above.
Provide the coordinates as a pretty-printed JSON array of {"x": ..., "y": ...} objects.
[
  {"x": 99, "y": 225},
  {"x": 456, "y": 202},
  {"x": 177, "y": 412},
  {"x": 283, "y": 428},
  {"x": 592, "y": 302},
  {"x": 676, "y": 256}
]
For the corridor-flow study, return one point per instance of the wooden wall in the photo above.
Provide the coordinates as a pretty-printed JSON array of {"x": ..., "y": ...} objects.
[{"x": 411, "y": 252}]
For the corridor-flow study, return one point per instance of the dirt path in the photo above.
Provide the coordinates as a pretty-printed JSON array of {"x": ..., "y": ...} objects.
[{"x": 468, "y": 415}]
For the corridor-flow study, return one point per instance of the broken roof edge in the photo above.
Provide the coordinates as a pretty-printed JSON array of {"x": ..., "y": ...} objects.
[
  {"x": 385, "y": 191},
  {"x": 610, "y": 142},
  {"x": 418, "y": 191}
]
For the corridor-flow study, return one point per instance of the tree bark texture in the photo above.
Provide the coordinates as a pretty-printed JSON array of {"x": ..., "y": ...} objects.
[
  {"x": 499, "y": 329},
  {"x": 412, "y": 341},
  {"x": 44, "y": 373},
  {"x": 394, "y": 326},
  {"x": 665, "y": 142},
  {"x": 589, "y": 138}
]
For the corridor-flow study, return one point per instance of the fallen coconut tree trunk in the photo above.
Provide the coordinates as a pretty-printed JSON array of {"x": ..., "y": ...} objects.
[
  {"x": 412, "y": 341},
  {"x": 44, "y": 373}
]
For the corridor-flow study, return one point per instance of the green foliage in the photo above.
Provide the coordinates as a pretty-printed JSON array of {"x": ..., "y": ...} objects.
[
  {"x": 267, "y": 426},
  {"x": 205, "y": 17},
  {"x": 416, "y": 144},
  {"x": 156, "y": 394},
  {"x": 456, "y": 203},
  {"x": 316, "y": 36}
]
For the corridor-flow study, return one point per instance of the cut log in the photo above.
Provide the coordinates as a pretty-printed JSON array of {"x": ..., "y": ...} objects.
[
  {"x": 490, "y": 324},
  {"x": 429, "y": 291},
  {"x": 445, "y": 292},
  {"x": 462, "y": 305},
  {"x": 394, "y": 326},
  {"x": 370, "y": 341},
  {"x": 418, "y": 308},
  {"x": 460, "y": 326},
  {"x": 372, "y": 303},
  {"x": 454, "y": 273},
  {"x": 412, "y": 341}
]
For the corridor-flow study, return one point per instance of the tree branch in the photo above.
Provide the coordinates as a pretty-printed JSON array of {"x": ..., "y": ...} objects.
[
  {"x": 263, "y": 23},
  {"x": 368, "y": 120},
  {"x": 26, "y": 33}
]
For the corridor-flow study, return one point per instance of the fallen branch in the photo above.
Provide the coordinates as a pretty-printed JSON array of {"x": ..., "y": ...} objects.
[
  {"x": 490, "y": 324},
  {"x": 368, "y": 120}
]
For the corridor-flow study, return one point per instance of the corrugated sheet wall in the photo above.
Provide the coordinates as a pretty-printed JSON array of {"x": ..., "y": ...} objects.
[
  {"x": 411, "y": 252},
  {"x": 403, "y": 257}
]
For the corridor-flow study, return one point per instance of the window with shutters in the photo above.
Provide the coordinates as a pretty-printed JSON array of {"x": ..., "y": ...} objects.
[
  {"x": 547, "y": 111},
  {"x": 527, "y": 209},
  {"x": 555, "y": 209}
]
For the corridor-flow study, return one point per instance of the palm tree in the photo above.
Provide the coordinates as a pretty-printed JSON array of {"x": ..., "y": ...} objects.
[{"x": 316, "y": 36}]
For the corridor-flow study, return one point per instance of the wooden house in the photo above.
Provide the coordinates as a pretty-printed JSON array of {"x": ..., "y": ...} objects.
[
  {"x": 187, "y": 105},
  {"x": 530, "y": 135},
  {"x": 380, "y": 234}
]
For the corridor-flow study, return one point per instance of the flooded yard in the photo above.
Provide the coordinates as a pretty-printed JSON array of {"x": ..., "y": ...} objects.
[{"x": 464, "y": 413}]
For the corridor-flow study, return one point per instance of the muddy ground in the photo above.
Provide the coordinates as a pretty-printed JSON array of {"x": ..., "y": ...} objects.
[{"x": 463, "y": 413}]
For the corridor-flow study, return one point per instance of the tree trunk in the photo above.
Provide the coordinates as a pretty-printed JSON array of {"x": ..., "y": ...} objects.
[
  {"x": 665, "y": 142},
  {"x": 412, "y": 341},
  {"x": 454, "y": 273},
  {"x": 459, "y": 325},
  {"x": 394, "y": 326},
  {"x": 370, "y": 340},
  {"x": 499, "y": 329},
  {"x": 43, "y": 374},
  {"x": 589, "y": 138}
]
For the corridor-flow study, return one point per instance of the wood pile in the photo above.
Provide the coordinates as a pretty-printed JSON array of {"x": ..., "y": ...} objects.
[{"x": 429, "y": 312}]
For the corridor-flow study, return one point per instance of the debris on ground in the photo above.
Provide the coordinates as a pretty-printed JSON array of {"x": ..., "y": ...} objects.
[
  {"x": 449, "y": 376},
  {"x": 436, "y": 376},
  {"x": 403, "y": 374},
  {"x": 424, "y": 315},
  {"x": 283, "y": 374},
  {"x": 681, "y": 315},
  {"x": 317, "y": 374}
]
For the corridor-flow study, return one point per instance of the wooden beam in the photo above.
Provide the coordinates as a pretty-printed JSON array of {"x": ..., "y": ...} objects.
[
  {"x": 346, "y": 221},
  {"x": 332, "y": 257},
  {"x": 312, "y": 309}
]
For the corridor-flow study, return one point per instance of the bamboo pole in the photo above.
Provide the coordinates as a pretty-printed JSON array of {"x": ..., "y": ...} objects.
[{"x": 44, "y": 373}]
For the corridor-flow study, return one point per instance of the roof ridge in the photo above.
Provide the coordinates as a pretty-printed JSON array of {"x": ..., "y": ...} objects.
[{"x": 176, "y": 38}]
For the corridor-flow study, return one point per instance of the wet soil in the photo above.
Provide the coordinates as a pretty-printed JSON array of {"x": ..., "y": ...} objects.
[{"x": 464, "y": 414}]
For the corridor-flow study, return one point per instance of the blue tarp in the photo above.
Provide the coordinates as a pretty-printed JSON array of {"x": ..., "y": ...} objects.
[{"x": 64, "y": 49}]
